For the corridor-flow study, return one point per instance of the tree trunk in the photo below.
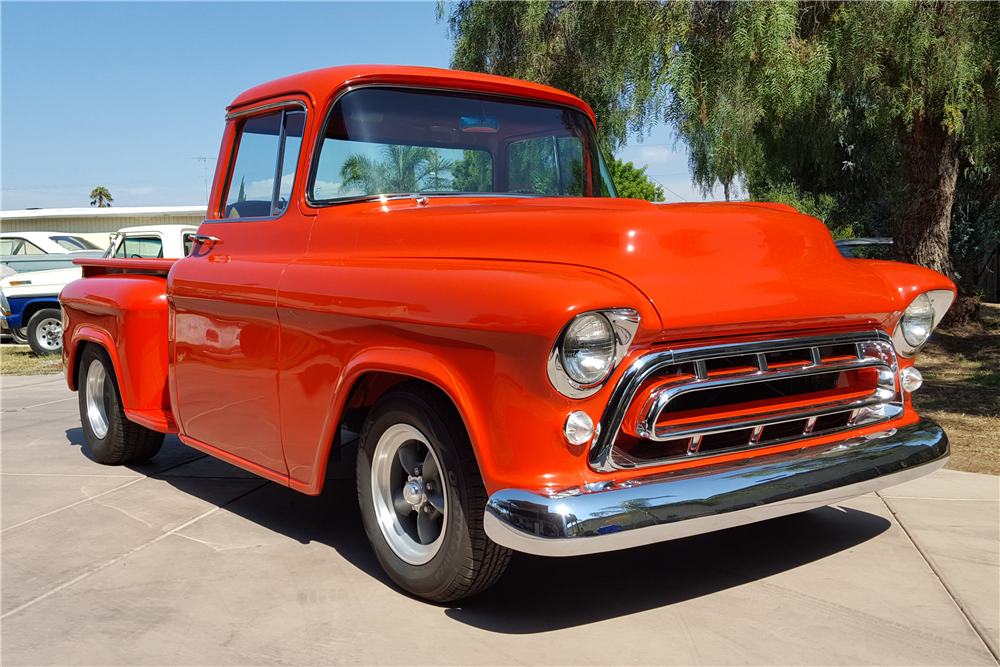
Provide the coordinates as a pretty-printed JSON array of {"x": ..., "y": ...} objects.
[{"x": 920, "y": 232}]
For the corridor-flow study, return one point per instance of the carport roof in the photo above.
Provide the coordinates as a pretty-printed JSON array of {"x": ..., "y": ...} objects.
[{"x": 109, "y": 212}]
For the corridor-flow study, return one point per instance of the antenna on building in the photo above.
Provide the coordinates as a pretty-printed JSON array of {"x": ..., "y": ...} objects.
[{"x": 204, "y": 162}]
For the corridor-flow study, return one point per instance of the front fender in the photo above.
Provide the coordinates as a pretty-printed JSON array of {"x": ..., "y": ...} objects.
[{"x": 481, "y": 331}]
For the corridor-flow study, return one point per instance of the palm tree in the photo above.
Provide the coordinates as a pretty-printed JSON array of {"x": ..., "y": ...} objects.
[
  {"x": 402, "y": 169},
  {"x": 101, "y": 197}
]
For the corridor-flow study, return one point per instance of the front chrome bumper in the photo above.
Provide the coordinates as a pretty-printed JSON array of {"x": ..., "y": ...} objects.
[{"x": 607, "y": 516}]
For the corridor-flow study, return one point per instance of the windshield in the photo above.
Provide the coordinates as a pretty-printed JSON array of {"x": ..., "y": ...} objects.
[{"x": 382, "y": 141}]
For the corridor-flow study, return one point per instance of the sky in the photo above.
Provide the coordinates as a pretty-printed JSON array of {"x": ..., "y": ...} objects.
[{"x": 132, "y": 95}]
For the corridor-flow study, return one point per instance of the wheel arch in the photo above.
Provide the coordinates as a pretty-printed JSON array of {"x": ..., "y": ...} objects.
[
  {"x": 33, "y": 307},
  {"x": 370, "y": 375},
  {"x": 83, "y": 337}
]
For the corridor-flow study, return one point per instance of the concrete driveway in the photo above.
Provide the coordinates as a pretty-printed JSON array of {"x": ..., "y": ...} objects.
[{"x": 187, "y": 560}]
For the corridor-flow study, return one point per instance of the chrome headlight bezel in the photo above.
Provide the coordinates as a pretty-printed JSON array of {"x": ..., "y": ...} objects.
[
  {"x": 940, "y": 301},
  {"x": 624, "y": 323}
]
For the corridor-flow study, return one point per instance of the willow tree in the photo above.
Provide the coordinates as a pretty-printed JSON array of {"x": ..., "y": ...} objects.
[
  {"x": 614, "y": 55},
  {"x": 797, "y": 94}
]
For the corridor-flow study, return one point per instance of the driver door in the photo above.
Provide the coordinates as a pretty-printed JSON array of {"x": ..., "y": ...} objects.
[{"x": 223, "y": 296}]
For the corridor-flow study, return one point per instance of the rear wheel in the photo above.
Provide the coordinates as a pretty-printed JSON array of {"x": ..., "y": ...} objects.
[
  {"x": 422, "y": 498},
  {"x": 20, "y": 336},
  {"x": 44, "y": 331},
  {"x": 111, "y": 438}
]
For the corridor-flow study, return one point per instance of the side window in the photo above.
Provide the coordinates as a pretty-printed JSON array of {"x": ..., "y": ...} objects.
[
  {"x": 188, "y": 244},
  {"x": 267, "y": 154},
  {"x": 143, "y": 247},
  {"x": 16, "y": 246},
  {"x": 30, "y": 248}
]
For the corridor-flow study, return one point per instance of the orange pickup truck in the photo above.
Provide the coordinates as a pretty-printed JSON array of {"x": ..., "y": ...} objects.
[{"x": 438, "y": 261}]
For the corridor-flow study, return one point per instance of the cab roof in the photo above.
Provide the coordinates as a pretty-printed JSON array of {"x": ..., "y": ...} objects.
[{"x": 321, "y": 84}]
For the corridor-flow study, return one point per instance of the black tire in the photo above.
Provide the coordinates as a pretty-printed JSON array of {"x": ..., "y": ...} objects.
[
  {"x": 20, "y": 336},
  {"x": 44, "y": 332},
  {"x": 122, "y": 441},
  {"x": 467, "y": 561}
]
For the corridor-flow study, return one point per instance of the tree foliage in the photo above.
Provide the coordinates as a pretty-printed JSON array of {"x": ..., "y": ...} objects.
[
  {"x": 101, "y": 197},
  {"x": 632, "y": 182},
  {"x": 882, "y": 116},
  {"x": 401, "y": 169}
]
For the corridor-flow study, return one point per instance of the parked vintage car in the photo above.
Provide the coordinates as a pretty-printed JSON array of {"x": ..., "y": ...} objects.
[
  {"x": 437, "y": 260},
  {"x": 43, "y": 251},
  {"x": 31, "y": 311}
]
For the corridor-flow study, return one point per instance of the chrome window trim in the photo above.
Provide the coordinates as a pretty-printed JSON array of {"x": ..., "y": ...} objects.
[
  {"x": 600, "y": 457},
  {"x": 317, "y": 146},
  {"x": 941, "y": 300},
  {"x": 281, "y": 150},
  {"x": 624, "y": 322},
  {"x": 266, "y": 107}
]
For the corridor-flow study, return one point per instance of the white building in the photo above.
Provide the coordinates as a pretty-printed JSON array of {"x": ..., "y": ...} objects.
[{"x": 96, "y": 224}]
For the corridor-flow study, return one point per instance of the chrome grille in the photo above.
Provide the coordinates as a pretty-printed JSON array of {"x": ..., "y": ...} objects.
[{"x": 702, "y": 401}]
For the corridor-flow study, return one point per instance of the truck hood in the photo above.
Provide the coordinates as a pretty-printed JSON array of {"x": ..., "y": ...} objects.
[{"x": 706, "y": 268}]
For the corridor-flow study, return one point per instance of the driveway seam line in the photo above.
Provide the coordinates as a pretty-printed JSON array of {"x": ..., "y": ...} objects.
[
  {"x": 79, "y": 502},
  {"x": 937, "y": 575},
  {"x": 67, "y": 474},
  {"x": 39, "y": 405},
  {"x": 103, "y": 493},
  {"x": 117, "y": 559},
  {"x": 953, "y": 500}
]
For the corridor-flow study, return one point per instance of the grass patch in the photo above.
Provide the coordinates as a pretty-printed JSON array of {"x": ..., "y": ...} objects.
[
  {"x": 961, "y": 369},
  {"x": 20, "y": 360},
  {"x": 987, "y": 379}
]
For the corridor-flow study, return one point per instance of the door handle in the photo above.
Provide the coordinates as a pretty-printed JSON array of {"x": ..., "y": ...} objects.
[{"x": 202, "y": 238}]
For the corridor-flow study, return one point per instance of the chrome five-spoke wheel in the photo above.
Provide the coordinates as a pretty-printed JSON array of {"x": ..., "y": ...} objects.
[
  {"x": 422, "y": 497},
  {"x": 408, "y": 494}
]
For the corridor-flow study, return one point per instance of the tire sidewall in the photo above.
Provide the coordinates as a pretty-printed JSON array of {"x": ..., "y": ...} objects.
[
  {"x": 434, "y": 577},
  {"x": 102, "y": 449},
  {"x": 33, "y": 322}
]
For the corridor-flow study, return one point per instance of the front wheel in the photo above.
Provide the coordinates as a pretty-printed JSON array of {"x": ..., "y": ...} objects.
[
  {"x": 111, "y": 438},
  {"x": 422, "y": 498},
  {"x": 44, "y": 332},
  {"x": 20, "y": 336}
]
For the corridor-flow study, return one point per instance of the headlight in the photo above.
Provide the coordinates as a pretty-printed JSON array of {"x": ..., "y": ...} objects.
[
  {"x": 588, "y": 349},
  {"x": 917, "y": 322},
  {"x": 919, "y": 319}
]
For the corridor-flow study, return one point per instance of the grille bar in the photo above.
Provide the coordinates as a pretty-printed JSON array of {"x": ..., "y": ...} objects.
[
  {"x": 660, "y": 399},
  {"x": 680, "y": 429}
]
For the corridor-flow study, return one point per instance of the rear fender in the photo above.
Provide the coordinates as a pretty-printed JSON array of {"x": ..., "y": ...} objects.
[
  {"x": 127, "y": 315},
  {"x": 73, "y": 350}
]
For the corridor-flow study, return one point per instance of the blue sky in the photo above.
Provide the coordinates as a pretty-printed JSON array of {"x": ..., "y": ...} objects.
[{"x": 128, "y": 95}]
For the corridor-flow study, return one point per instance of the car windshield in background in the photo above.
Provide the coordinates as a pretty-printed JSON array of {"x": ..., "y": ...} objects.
[
  {"x": 73, "y": 243},
  {"x": 382, "y": 141}
]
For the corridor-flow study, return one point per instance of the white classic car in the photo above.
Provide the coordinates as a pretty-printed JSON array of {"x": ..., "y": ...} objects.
[{"x": 31, "y": 312}]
